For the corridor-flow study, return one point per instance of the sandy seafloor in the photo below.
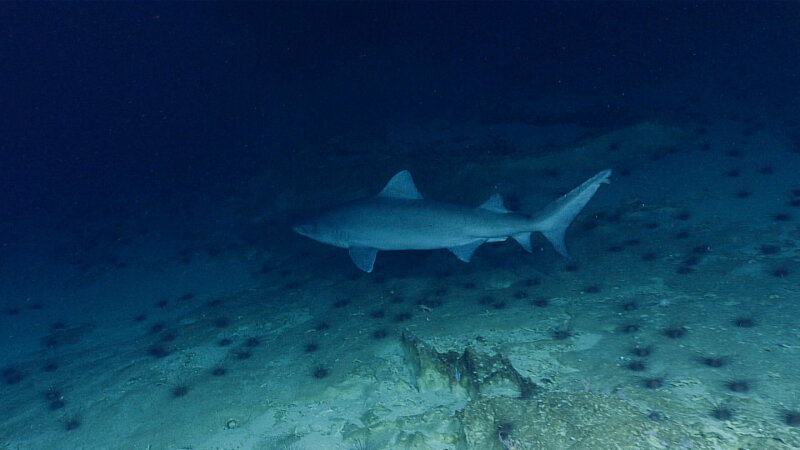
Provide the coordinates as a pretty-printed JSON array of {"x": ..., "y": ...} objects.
[{"x": 228, "y": 331}]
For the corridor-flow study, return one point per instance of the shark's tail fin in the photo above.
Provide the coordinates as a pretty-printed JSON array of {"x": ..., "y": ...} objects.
[{"x": 556, "y": 217}]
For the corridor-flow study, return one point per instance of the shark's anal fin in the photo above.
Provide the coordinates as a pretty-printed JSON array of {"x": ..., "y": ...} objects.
[
  {"x": 524, "y": 240},
  {"x": 464, "y": 252},
  {"x": 401, "y": 186},
  {"x": 363, "y": 257}
]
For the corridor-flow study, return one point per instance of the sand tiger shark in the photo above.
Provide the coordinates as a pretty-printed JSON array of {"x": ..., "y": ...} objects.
[{"x": 398, "y": 218}]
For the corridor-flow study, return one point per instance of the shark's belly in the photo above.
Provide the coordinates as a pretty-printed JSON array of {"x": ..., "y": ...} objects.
[
  {"x": 417, "y": 229},
  {"x": 407, "y": 240}
]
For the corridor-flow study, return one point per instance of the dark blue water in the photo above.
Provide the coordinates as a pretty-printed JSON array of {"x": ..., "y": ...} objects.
[
  {"x": 154, "y": 155},
  {"x": 125, "y": 97}
]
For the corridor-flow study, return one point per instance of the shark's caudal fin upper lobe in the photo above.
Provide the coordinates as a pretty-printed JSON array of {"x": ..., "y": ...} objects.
[{"x": 556, "y": 217}]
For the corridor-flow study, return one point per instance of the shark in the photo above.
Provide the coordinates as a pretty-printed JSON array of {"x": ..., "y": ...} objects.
[{"x": 399, "y": 218}]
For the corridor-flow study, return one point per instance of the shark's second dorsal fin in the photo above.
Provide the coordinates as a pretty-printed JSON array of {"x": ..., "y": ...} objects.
[
  {"x": 401, "y": 186},
  {"x": 495, "y": 204}
]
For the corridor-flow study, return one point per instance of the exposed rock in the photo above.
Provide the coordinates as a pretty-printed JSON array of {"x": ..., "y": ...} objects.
[{"x": 478, "y": 373}]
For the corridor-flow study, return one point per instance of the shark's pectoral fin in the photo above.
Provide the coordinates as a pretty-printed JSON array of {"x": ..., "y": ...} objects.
[
  {"x": 363, "y": 257},
  {"x": 524, "y": 240},
  {"x": 464, "y": 252}
]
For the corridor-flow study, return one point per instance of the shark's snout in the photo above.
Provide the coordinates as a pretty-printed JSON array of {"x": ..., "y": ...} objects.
[
  {"x": 303, "y": 229},
  {"x": 298, "y": 228}
]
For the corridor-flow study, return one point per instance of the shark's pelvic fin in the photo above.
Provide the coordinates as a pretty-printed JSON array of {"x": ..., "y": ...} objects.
[
  {"x": 465, "y": 252},
  {"x": 401, "y": 186},
  {"x": 495, "y": 204},
  {"x": 363, "y": 257},
  {"x": 556, "y": 217}
]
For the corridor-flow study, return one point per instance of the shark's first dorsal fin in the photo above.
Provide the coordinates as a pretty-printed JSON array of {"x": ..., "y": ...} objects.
[
  {"x": 401, "y": 186},
  {"x": 495, "y": 204}
]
